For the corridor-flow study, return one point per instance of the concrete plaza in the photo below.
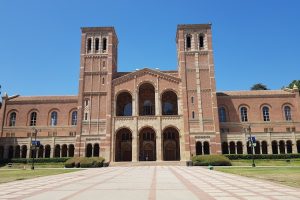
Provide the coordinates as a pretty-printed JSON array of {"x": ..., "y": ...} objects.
[{"x": 146, "y": 182}]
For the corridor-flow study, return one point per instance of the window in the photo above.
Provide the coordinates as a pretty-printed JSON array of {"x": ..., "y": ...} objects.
[
  {"x": 103, "y": 80},
  {"x": 104, "y": 44},
  {"x": 53, "y": 118},
  {"x": 86, "y": 102},
  {"x": 148, "y": 110},
  {"x": 85, "y": 116},
  {"x": 74, "y": 118},
  {"x": 244, "y": 114},
  {"x": 188, "y": 41},
  {"x": 222, "y": 114},
  {"x": 89, "y": 44},
  {"x": 97, "y": 44},
  {"x": 33, "y": 117},
  {"x": 193, "y": 115},
  {"x": 192, "y": 99},
  {"x": 287, "y": 113},
  {"x": 103, "y": 64},
  {"x": 201, "y": 41},
  {"x": 12, "y": 119},
  {"x": 266, "y": 114}
]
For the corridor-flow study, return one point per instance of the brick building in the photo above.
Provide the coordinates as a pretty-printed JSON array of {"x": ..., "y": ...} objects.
[{"x": 148, "y": 114}]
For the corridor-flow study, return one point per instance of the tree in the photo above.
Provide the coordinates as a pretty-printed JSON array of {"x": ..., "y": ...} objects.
[
  {"x": 294, "y": 82},
  {"x": 259, "y": 86}
]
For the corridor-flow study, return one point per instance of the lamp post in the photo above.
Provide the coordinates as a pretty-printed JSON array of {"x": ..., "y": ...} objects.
[
  {"x": 251, "y": 144},
  {"x": 33, "y": 146}
]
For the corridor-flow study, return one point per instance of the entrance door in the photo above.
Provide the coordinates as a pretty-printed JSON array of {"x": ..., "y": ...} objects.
[{"x": 149, "y": 152}]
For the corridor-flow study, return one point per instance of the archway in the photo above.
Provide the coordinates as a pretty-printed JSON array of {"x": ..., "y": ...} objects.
[
  {"x": 282, "y": 147},
  {"x": 225, "y": 148},
  {"x": 289, "y": 146},
  {"x": 124, "y": 104},
  {"x": 89, "y": 150},
  {"x": 41, "y": 151},
  {"x": 1, "y": 152},
  {"x": 199, "y": 148},
  {"x": 123, "y": 145},
  {"x": 206, "y": 148},
  {"x": 146, "y": 99},
  {"x": 171, "y": 144},
  {"x": 274, "y": 147},
  {"x": 17, "y": 151},
  {"x": 257, "y": 147},
  {"x": 10, "y": 152},
  {"x": 147, "y": 144},
  {"x": 298, "y": 146},
  {"x": 231, "y": 147},
  {"x": 24, "y": 151},
  {"x": 47, "y": 151},
  {"x": 96, "y": 150},
  {"x": 239, "y": 147},
  {"x": 264, "y": 147},
  {"x": 169, "y": 103},
  {"x": 64, "y": 150},
  {"x": 57, "y": 151},
  {"x": 71, "y": 150}
]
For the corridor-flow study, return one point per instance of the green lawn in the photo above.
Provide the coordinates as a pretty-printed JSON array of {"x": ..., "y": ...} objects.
[
  {"x": 8, "y": 175},
  {"x": 37, "y": 165},
  {"x": 263, "y": 162},
  {"x": 285, "y": 175}
]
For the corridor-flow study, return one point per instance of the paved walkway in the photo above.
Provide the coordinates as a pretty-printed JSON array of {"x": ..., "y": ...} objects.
[{"x": 149, "y": 183}]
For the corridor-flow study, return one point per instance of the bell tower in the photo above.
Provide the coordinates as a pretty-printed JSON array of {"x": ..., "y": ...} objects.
[
  {"x": 196, "y": 69},
  {"x": 98, "y": 64}
]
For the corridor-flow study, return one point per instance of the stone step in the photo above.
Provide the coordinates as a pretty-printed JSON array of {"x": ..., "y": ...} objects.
[{"x": 148, "y": 163}]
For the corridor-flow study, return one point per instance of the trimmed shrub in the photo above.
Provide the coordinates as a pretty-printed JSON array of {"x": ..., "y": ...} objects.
[
  {"x": 37, "y": 160},
  {"x": 84, "y": 162},
  {"x": 261, "y": 156},
  {"x": 213, "y": 160}
]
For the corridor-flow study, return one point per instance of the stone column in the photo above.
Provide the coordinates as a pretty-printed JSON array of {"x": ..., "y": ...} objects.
[
  {"x": 68, "y": 151},
  {"x": 269, "y": 145},
  {"x": 134, "y": 146},
  {"x": 157, "y": 99},
  {"x": 159, "y": 148}
]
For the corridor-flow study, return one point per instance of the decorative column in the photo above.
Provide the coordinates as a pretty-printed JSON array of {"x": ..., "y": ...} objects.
[
  {"x": 157, "y": 99},
  {"x": 134, "y": 147},
  {"x": 269, "y": 145},
  {"x": 159, "y": 148}
]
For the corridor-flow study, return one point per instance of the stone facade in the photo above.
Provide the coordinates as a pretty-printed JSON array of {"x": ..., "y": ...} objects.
[{"x": 149, "y": 114}]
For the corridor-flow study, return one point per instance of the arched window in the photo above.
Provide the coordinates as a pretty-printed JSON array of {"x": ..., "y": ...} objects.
[
  {"x": 244, "y": 114},
  {"x": 201, "y": 41},
  {"x": 97, "y": 44},
  {"x": 287, "y": 113},
  {"x": 104, "y": 44},
  {"x": 206, "y": 149},
  {"x": 239, "y": 147},
  {"x": 198, "y": 148},
  {"x": 12, "y": 119},
  {"x": 222, "y": 114},
  {"x": 264, "y": 147},
  {"x": 74, "y": 118},
  {"x": 146, "y": 99},
  {"x": 169, "y": 103},
  {"x": 53, "y": 118},
  {"x": 192, "y": 99},
  {"x": 232, "y": 147},
  {"x": 225, "y": 148},
  {"x": 188, "y": 41},
  {"x": 193, "y": 115},
  {"x": 89, "y": 44},
  {"x": 103, "y": 81},
  {"x": 266, "y": 113},
  {"x": 124, "y": 104},
  {"x": 33, "y": 117}
]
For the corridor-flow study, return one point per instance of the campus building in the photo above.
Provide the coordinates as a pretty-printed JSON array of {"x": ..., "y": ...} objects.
[{"x": 150, "y": 114}]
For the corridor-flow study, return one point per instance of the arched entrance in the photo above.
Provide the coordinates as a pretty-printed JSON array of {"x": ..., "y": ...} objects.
[
  {"x": 123, "y": 145},
  {"x": 147, "y": 145},
  {"x": 171, "y": 144}
]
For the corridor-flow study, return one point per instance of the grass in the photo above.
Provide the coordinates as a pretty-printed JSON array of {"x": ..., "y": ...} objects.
[
  {"x": 284, "y": 175},
  {"x": 8, "y": 175},
  {"x": 37, "y": 165},
  {"x": 263, "y": 162}
]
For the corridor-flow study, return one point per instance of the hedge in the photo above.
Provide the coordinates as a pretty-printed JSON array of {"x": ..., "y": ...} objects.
[
  {"x": 85, "y": 162},
  {"x": 213, "y": 160},
  {"x": 261, "y": 156},
  {"x": 36, "y": 160}
]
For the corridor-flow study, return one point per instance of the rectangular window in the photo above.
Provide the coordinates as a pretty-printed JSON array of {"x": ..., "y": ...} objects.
[
  {"x": 288, "y": 129},
  {"x": 293, "y": 129},
  {"x": 265, "y": 130}
]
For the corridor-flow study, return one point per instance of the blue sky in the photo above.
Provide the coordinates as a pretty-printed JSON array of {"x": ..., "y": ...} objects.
[{"x": 254, "y": 41}]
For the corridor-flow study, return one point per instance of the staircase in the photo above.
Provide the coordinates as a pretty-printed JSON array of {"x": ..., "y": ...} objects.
[{"x": 147, "y": 163}]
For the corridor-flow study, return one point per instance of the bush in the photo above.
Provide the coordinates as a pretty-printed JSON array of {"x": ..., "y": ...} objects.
[
  {"x": 36, "y": 160},
  {"x": 261, "y": 156},
  {"x": 84, "y": 162},
  {"x": 214, "y": 160}
]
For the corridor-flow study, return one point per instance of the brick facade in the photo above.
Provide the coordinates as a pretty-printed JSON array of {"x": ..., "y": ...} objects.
[{"x": 149, "y": 114}]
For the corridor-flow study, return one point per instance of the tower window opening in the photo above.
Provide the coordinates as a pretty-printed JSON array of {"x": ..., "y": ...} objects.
[
  {"x": 97, "y": 44},
  {"x": 201, "y": 41},
  {"x": 89, "y": 44},
  {"x": 188, "y": 41},
  {"x": 104, "y": 44}
]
